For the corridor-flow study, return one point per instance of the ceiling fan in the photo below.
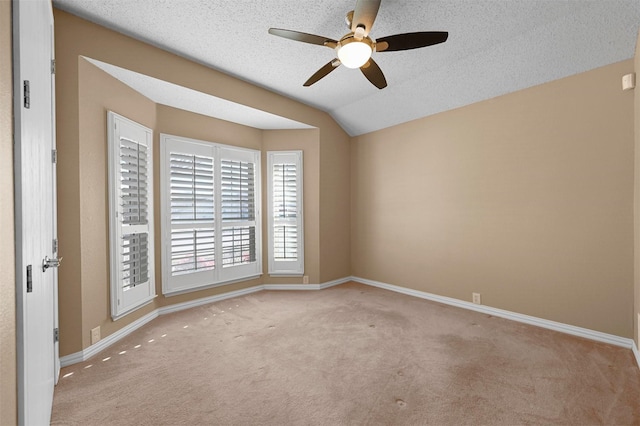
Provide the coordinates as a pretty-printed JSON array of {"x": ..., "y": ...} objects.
[{"x": 355, "y": 48}]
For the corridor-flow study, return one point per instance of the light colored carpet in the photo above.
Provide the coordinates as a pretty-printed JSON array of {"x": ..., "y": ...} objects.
[{"x": 351, "y": 354}]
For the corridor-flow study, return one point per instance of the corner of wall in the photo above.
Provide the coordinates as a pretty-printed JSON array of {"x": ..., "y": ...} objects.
[
  {"x": 335, "y": 203},
  {"x": 8, "y": 393},
  {"x": 636, "y": 119}
]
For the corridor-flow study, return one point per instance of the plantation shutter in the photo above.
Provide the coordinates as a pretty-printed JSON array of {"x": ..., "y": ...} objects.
[
  {"x": 286, "y": 246},
  {"x": 210, "y": 222},
  {"x": 131, "y": 218},
  {"x": 238, "y": 210},
  {"x": 285, "y": 212}
]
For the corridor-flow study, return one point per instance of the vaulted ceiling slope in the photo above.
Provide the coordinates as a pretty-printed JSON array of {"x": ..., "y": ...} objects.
[{"x": 494, "y": 47}]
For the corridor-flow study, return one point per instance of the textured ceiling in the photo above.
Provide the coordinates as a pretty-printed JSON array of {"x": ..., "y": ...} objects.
[
  {"x": 494, "y": 47},
  {"x": 165, "y": 93}
]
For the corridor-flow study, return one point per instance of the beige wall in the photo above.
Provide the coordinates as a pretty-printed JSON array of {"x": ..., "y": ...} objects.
[
  {"x": 98, "y": 93},
  {"x": 526, "y": 199},
  {"x": 68, "y": 189},
  {"x": 84, "y": 95},
  {"x": 8, "y": 407},
  {"x": 636, "y": 116},
  {"x": 335, "y": 199}
]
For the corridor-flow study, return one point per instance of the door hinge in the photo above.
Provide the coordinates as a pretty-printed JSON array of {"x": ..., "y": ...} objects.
[
  {"x": 56, "y": 335},
  {"x": 29, "y": 279},
  {"x": 27, "y": 94},
  {"x": 54, "y": 156},
  {"x": 55, "y": 245},
  {"x": 53, "y": 66}
]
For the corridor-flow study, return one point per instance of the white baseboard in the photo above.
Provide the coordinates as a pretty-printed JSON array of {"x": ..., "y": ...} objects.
[
  {"x": 335, "y": 282},
  {"x": 125, "y": 331},
  {"x": 287, "y": 287},
  {"x": 92, "y": 350},
  {"x": 514, "y": 316},
  {"x": 107, "y": 341},
  {"x": 206, "y": 300},
  {"x": 526, "y": 319},
  {"x": 306, "y": 286}
]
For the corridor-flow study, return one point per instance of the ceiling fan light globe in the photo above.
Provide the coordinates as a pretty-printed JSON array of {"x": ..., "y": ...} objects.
[{"x": 354, "y": 54}]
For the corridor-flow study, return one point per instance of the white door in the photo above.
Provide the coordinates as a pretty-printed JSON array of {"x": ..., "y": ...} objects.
[{"x": 36, "y": 287}]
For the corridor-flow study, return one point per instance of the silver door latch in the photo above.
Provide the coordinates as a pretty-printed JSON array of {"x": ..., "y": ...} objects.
[{"x": 50, "y": 263}]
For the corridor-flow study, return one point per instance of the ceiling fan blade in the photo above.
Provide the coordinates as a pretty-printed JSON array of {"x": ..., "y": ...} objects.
[
  {"x": 303, "y": 37},
  {"x": 322, "y": 72},
  {"x": 374, "y": 74},
  {"x": 409, "y": 41},
  {"x": 364, "y": 15}
]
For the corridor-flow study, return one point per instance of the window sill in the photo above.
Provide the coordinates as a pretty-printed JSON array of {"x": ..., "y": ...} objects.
[
  {"x": 170, "y": 293},
  {"x": 285, "y": 275},
  {"x": 134, "y": 308}
]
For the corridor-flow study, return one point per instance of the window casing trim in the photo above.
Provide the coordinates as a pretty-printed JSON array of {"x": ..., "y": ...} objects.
[
  {"x": 124, "y": 302},
  {"x": 283, "y": 268},
  {"x": 141, "y": 303}
]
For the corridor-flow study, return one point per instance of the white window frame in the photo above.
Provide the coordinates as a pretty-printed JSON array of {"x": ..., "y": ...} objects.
[
  {"x": 279, "y": 267},
  {"x": 198, "y": 280},
  {"x": 125, "y": 301}
]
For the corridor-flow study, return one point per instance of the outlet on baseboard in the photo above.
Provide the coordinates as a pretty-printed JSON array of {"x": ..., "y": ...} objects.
[
  {"x": 476, "y": 298},
  {"x": 305, "y": 279},
  {"x": 95, "y": 335}
]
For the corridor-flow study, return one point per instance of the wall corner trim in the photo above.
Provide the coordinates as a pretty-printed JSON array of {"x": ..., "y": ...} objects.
[
  {"x": 513, "y": 316},
  {"x": 636, "y": 352}
]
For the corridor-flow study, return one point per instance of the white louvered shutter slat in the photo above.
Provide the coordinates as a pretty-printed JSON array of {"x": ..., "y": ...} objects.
[
  {"x": 135, "y": 260},
  {"x": 133, "y": 182},
  {"x": 238, "y": 207},
  {"x": 192, "y": 206},
  {"x": 238, "y": 191},
  {"x": 134, "y": 263}
]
